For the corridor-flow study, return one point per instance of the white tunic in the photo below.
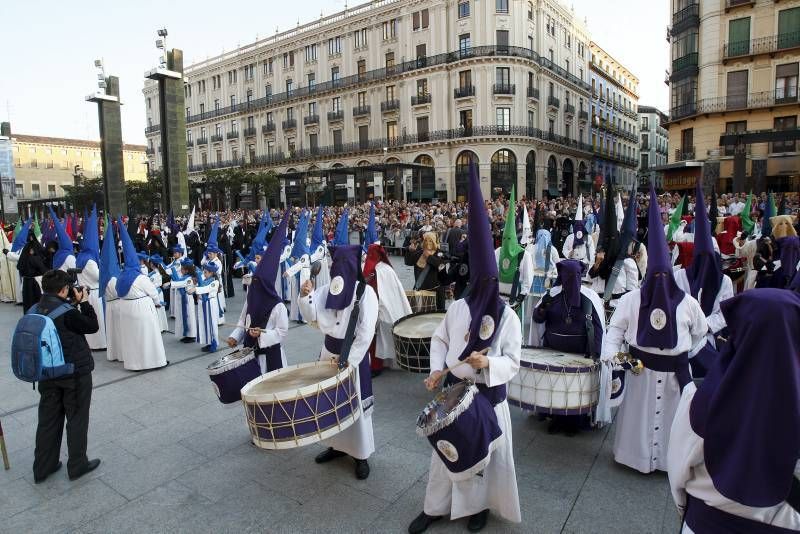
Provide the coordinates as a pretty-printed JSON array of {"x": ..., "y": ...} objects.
[
  {"x": 113, "y": 321},
  {"x": 155, "y": 277},
  {"x": 688, "y": 474},
  {"x": 90, "y": 279},
  {"x": 208, "y": 312},
  {"x": 175, "y": 267},
  {"x": 272, "y": 334},
  {"x": 747, "y": 251},
  {"x": 185, "y": 310},
  {"x": 8, "y": 269},
  {"x": 357, "y": 440},
  {"x": 69, "y": 263},
  {"x": 13, "y": 258},
  {"x": 584, "y": 254},
  {"x": 221, "y": 299},
  {"x": 497, "y": 488},
  {"x": 651, "y": 398},
  {"x": 627, "y": 280},
  {"x": 392, "y": 306},
  {"x": 140, "y": 344},
  {"x": 715, "y": 320}
]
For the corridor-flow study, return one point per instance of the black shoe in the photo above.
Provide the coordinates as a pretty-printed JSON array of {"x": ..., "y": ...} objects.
[
  {"x": 571, "y": 426},
  {"x": 362, "y": 469},
  {"x": 555, "y": 426},
  {"x": 422, "y": 522},
  {"x": 478, "y": 521},
  {"x": 187, "y": 340},
  {"x": 328, "y": 455},
  {"x": 207, "y": 348},
  {"x": 376, "y": 372},
  {"x": 37, "y": 480},
  {"x": 90, "y": 466}
]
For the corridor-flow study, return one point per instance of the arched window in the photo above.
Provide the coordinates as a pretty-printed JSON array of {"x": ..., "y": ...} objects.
[
  {"x": 568, "y": 175},
  {"x": 552, "y": 176},
  {"x": 463, "y": 161},
  {"x": 504, "y": 172},
  {"x": 530, "y": 175}
]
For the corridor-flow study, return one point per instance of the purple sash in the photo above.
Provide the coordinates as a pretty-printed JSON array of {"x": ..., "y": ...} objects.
[
  {"x": 334, "y": 346},
  {"x": 702, "y": 518},
  {"x": 678, "y": 364}
]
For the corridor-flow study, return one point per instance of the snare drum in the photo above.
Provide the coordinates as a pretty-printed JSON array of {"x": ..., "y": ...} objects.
[
  {"x": 553, "y": 382},
  {"x": 461, "y": 426},
  {"x": 421, "y": 301},
  {"x": 231, "y": 372},
  {"x": 412, "y": 340},
  {"x": 301, "y": 404}
]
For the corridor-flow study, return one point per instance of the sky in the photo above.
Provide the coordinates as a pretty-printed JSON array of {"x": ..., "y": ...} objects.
[{"x": 47, "y": 65}]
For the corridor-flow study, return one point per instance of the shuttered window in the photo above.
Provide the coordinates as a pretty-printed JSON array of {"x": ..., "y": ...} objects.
[
  {"x": 739, "y": 37},
  {"x": 789, "y": 28},
  {"x": 737, "y": 89}
]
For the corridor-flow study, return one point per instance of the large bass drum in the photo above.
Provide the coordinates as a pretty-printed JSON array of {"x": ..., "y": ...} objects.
[
  {"x": 301, "y": 404},
  {"x": 412, "y": 340},
  {"x": 553, "y": 382},
  {"x": 231, "y": 372},
  {"x": 421, "y": 301}
]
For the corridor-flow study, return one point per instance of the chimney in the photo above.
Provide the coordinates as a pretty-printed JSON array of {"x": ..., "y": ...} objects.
[{"x": 5, "y": 129}]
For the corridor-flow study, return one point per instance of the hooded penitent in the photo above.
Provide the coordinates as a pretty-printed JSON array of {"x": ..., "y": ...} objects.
[
  {"x": 37, "y": 231},
  {"x": 318, "y": 235},
  {"x": 527, "y": 233},
  {"x": 619, "y": 210},
  {"x": 609, "y": 231},
  {"x": 370, "y": 234},
  {"x": 90, "y": 246},
  {"x": 213, "y": 245},
  {"x": 484, "y": 302},
  {"x": 21, "y": 236},
  {"x": 578, "y": 229},
  {"x": 262, "y": 296},
  {"x": 341, "y": 236},
  {"x": 674, "y": 219},
  {"x": 751, "y": 393},
  {"x": 109, "y": 261},
  {"x": 345, "y": 271},
  {"x": 260, "y": 240},
  {"x": 300, "y": 244},
  {"x": 570, "y": 273},
  {"x": 131, "y": 269},
  {"x": 705, "y": 272},
  {"x": 510, "y": 248},
  {"x": 660, "y": 295},
  {"x": 65, "y": 248},
  {"x": 713, "y": 211},
  {"x": 769, "y": 211},
  {"x": 747, "y": 222},
  {"x": 543, "y": 245},
  {"x": 788, "y": 245},
  {"x": 375, "y": 255}
]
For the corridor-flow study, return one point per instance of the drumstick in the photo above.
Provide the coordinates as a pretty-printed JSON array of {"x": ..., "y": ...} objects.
[
  {"x": 462, "y": 362},
  {"x": 260, "y": 330}
]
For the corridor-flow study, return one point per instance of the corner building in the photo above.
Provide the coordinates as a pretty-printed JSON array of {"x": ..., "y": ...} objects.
[{"x": 394, "y": 98}]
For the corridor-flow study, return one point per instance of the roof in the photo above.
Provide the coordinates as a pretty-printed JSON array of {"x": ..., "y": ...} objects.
[
  {"x": 654, "y": 110},
  {"x": 63, "y": 141}
]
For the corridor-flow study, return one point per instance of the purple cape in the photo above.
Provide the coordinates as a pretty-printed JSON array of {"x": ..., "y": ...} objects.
[
  {"x": 705, "y": 272},
  {"x": 569, "y": 278},
  {"x": 345, "y": 271},
  {"x": 262, "y": 295}
]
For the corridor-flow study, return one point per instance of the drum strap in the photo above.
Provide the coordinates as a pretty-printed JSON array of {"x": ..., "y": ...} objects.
[
  {"x": 586, "y": 308},
  {"x": 421, "y": 278},
  {"x": 351, "y": 325}
]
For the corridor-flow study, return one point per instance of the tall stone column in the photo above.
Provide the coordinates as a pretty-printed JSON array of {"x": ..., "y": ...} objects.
[{"x": 108, "y": 110}]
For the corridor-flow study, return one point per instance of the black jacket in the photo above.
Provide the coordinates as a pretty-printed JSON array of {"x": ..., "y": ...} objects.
[{"x": 72, "y": 328}]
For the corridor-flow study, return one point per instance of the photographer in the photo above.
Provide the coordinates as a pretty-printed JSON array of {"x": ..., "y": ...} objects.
[{"x": 67, "y": 396}]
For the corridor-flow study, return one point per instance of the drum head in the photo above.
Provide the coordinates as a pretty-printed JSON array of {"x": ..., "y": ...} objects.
[
  {"x": 443, "y": 404},
  {"x": 418, "y": 326},
  {"x": 234, "y": 356},
  {"x": 292, "y": 379},
  {"x": 552, "y": 358}
]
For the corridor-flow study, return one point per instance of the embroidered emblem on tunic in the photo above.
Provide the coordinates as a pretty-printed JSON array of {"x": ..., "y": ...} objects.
[
  {"x": 448, "y": 450},
  {"x": 337, "y": 284},
  {"x": 487, "y": 327},
  {"x": 616, "y": 385},
  {"x": 506, "y": 263},
  {"x": 463, "y": 269},
  {"x": 579, "y": 234},
  {"x": 658, "y": 319}
]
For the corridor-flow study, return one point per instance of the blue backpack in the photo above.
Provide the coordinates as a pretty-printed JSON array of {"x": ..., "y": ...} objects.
[{"x": 36, "y": 352}]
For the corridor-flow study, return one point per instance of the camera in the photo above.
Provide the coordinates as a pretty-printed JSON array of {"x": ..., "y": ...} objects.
[{"x": 73, "y": 281}]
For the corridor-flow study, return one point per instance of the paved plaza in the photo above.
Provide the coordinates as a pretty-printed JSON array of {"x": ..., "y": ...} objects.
[{"x": 176, "y": 460}]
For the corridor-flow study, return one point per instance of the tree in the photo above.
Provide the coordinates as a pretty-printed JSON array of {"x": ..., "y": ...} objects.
[
  {"x": 264, "y": 183},
  {"x": 145, "y": 197},
  {"x": 89, "y": 191}
]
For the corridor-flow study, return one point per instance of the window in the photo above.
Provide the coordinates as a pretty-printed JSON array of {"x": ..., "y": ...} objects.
[
  {"x": 463, "y": 9},
  {"x": 289, "y": 114},
  {"x": 687, "y": 143},
  {"x": 551, "y": 127},
  {"x": 251, "y": 152},
  {"x": 389, "y": 29},
  {"x": 19, "y": 190},
  {"x": 290, "y": 146},
  {"x": 312, "y": 108},
  {"x": 645, "y": 123},
  {"x": 503, "y": 76},
  {"x": 501, "y": 6},
  {"x": 204, "y": 158},
  {"x": 785, "y": 123},
  {"x": 288, "y": 60},
  {"x": 311, "y": 53},
  {"x": 645, "y": 142},
  {"x": 422, "y": 87},
  {"x": 739, "y": 36},
  {"x": 503, "y": 116},
  {"x": 465, "y": 120},
  {"x": 312, "y": 80},
  {"x": 219, "y": 155},
  {"x": 249, "y": 74},
  {"x": 645, "y": 162},
  {"x": 463, "y": 43},
  {"x": 336, "y": 104},
  {"x": 234, "y": 154},
  {"x": 391, "y": 130},
  {"x": 788, "y": 24},
  {"x": 251, "y": 122},
  {"x": 531, "y": 119},
  {"x": 313, "y": 143},
  {"x": 267, "y": 67},
  {"x": 389, "y": 61},
  {"x": 334, "y": 74},
  {"x": 216, "y": 104},
  {"x": 464, "y": 79},
  {"x": 502, "y": 39},
  {"x": 360, "y": 38},
  {"x": 269, "y": 117},
  {"x": 188, "y": 136},
  {"x": 51, "y": 190},
  {"x": 361, "y": 67},
  {"x": 218, "y": 129},
  {"x": 233, "y": 100},
  {"x": 737, "y": 89},
  {"x": 289, "y": 86},
  {"x": 362, "y": 99},
  {"x": 567, "y": 131},
  {"x": 786, "y": 83},
  {"x": 422, "y": 129},
  {"x": 389, "y": 92},
  {"x": 732, "y": 128},
  {"x": 566, "y": 65},
  {"x": 363, "y": 136},
  {"x": 421, "y": 19},
  {"x": 530, "y": 42},
  {"x": 249, "y": 95},
  {"x": 268, "y": 90},
  {"x": 334, "y": 46},
  {"x": 270, "y": 148},
  {"x": 337, "y": 140},
  {"x": 35, "y": 191}
]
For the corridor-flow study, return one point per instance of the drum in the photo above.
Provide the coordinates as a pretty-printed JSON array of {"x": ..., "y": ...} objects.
[
  {"x": 553, "y": 382},
  {"x": 231, "y": 372},
  {"x": 301, "y": 404},
  {"x": 412, "y": 340},
  {"x": 461, "y": 426},
  {"x": 421, "y": 301}
]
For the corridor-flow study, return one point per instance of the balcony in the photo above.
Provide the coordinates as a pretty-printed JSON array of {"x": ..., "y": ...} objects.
[
  {"x": 202, "y": 141},
  {"x": 763, "y": 99},
  {"x": 684, "y": 153},
  {"x": 334, "y": 116},
  {"x": 553, "y": 102},
  {"x": 149, "y": 151},
  {"x": 464, "y": 92},
  {"x": 731, "y": 4},
  {"x": 762, "y": 45},
  {"x": 390, "y": 105},
  {"x": 361, "y": 111},
  {"x": 569, "y": 109},
  {"x": 504, "y": 89},
  {"x": 289, "y": 124},
  {"x": 189, "y": 143},
  {"x": 233, "y": 135},
  {"x": 684, "y": 66},
  {"x": 216, "y": 138},
  {"x": 250, "y": 132},
  {"x": 268, "y": 128},
  {"x": 686, "y": 18},
  {"x": 583, "y": 115},
  {"x": 533, "y": 92},
  {"x": 310, "y": 119},
  {"x": 419, "y": 100}
]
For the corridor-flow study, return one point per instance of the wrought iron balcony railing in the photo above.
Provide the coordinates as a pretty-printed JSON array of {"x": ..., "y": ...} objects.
[
  {"x": 504, "y": 89},
  {"x": 464, "y": 91}
]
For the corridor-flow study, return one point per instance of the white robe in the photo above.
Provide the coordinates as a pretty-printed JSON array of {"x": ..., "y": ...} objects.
[
  {"x": 650, "y": 398},
  {"x": 392, "y": 306},
  {"x": 627, "y": 280},
  {"x": 324, "y": 275},
  {"x": 221, "y": 298},
  {"x": 185, "y": 312},
  {"x": 7, "y": 272},
  {"x": 155, "y": 277},
  {"x": 357, "y": 440},
  {"x": 273, "y": 333},
  {"x": 13, "y": 258},
  {"x": 69, "y": 263},
  {"x": 139, "y": 336},
  {"x": 208, "y": 312},
  {"x": 113, "y": 322},
  {"x": 747, "y": 251},
  {"x": 89, "y": 278},
  {"x": 584, "y": 254},
  {"x": 688, "y": 474},
  {"x": 175, "y": 267},
  {"x": 715, "y": 320},
  {"x": 497, "y": 488}
]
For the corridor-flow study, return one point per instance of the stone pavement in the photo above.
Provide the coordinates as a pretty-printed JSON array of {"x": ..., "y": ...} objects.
[{"x": 176, "y": 460}]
